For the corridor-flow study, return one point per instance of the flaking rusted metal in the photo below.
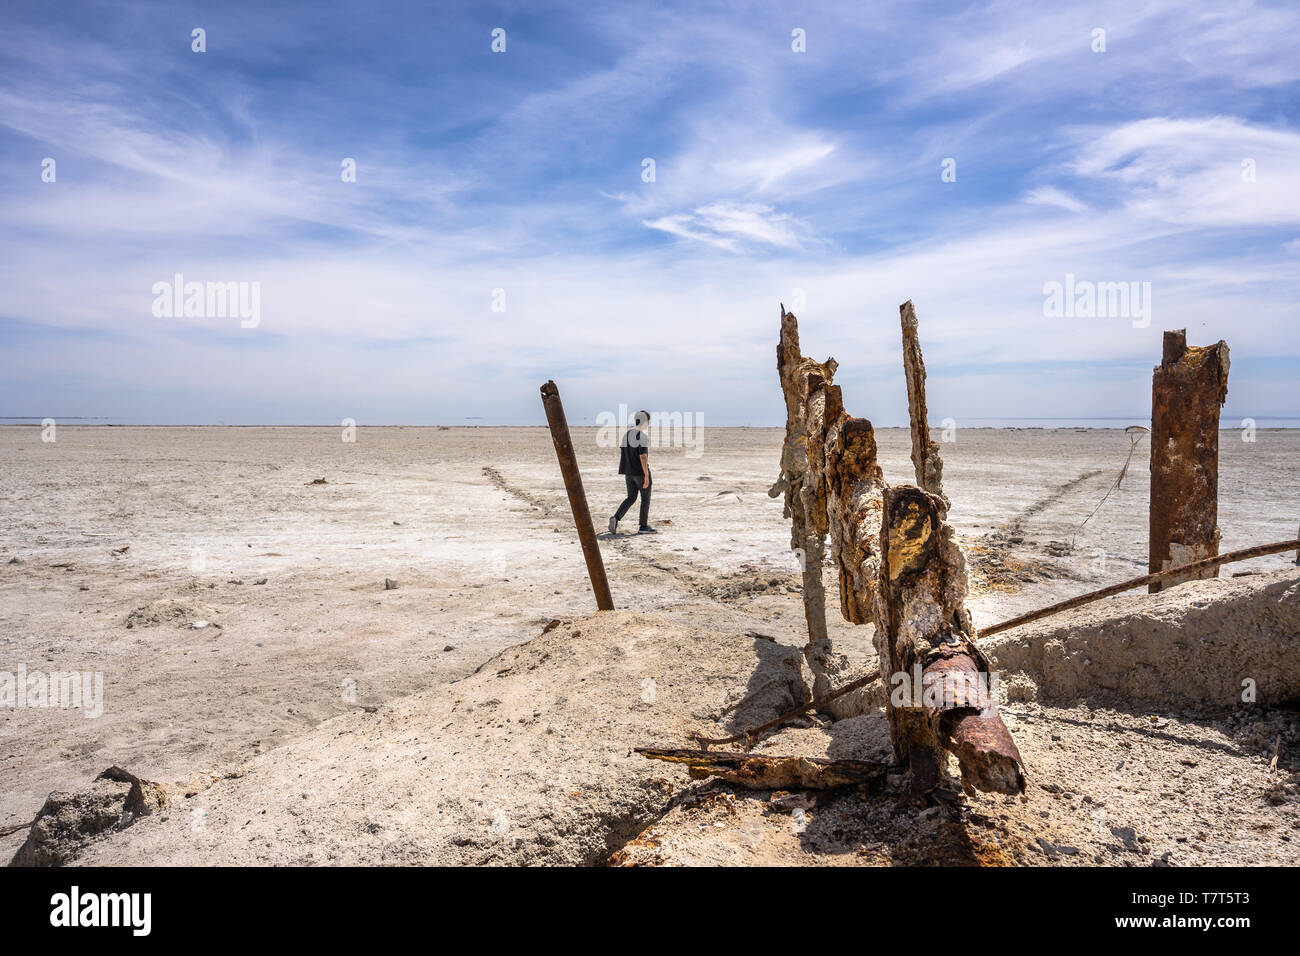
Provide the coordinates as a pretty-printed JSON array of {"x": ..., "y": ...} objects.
[
  {"x": 804, "y": 382},
  {"x": 926, "y": 461},
  {"x": 1188, "y": 389},
  {"x": 900, "y": 568},
  {"x": 924, "y": 629}
]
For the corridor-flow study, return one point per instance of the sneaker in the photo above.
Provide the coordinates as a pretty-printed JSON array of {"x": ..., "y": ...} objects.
[
  {"x": 646, "y": 529},
  {"x": 613, "y": 525}
]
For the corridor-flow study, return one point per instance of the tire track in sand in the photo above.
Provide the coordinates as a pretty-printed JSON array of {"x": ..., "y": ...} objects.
[
  {"x": 992, "y": 558},
  {"x": 690, "y": 580}
]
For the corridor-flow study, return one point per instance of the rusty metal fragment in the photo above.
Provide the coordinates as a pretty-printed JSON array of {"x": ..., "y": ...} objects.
[
  {"x": 855, "y": 493},
  {"x": 771, "y": 773},
  {"x": 941, "y": 687},
  {"x": 925, "y": 453},
  {"x": 1188, "y": 388}
]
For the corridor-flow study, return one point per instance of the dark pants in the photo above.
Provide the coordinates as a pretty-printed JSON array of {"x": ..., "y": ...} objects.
[{"x": 633, "y": 489}]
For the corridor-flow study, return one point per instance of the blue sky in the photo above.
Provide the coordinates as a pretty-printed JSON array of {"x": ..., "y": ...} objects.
[{"x": 810, "y": 178}]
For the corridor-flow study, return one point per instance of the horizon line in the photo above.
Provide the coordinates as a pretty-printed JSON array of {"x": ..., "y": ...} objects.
[{"x": 16, "y": 421}]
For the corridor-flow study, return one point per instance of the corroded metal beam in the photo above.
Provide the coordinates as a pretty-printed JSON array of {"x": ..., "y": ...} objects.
[
  {"x": 942, "y": 695},
  {"x": 1187, "y": 390}
]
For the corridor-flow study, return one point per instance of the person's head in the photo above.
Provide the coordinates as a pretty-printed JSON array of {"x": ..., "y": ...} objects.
[{"x": 642, "y": 419}]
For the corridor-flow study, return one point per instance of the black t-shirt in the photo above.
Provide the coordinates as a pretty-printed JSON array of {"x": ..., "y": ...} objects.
[{"x": 635, "y": 443}]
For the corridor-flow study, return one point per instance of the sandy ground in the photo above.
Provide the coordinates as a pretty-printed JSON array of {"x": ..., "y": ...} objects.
[
  {"x": 473, "y": 527},
  {"x": 531, "y": 759}
]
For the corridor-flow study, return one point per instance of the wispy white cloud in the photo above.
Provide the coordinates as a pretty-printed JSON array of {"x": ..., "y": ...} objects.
[
  {"x": 1215, "y": 171},
  {"x": 733, "y": 186},
  {"x": 727, "y": 224},
  {"x": 1051, "y": 196},
  {"x": 767, "y": 171}
]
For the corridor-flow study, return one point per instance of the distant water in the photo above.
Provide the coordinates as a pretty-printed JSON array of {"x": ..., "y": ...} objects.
[{"x": 1226, "y": 422}]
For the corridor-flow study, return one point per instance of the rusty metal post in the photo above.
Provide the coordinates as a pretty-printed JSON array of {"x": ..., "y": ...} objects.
[
  {"x": 577, "y": 497},
  {"x": 926, "y": 460},
  {"x": 1187, "y": 390},
  {"x": 804, "y": 383}
]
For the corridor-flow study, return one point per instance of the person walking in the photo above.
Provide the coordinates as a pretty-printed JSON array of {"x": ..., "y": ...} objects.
[{"x": 634, "y": 466}]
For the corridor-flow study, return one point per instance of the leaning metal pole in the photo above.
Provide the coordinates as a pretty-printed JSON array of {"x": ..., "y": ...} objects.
[{"x": 577, "y": 497}]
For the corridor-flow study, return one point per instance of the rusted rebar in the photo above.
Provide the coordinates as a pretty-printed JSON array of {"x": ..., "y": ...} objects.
[{"x": 1185, "y": 572}]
